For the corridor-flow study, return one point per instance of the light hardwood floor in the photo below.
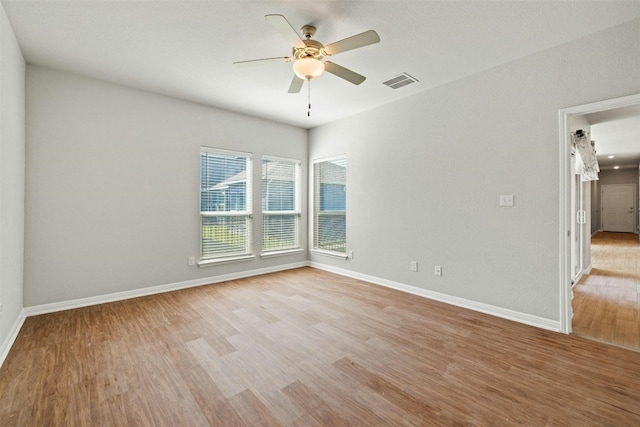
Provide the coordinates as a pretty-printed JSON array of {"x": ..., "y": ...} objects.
[
  {"x": 307, "y": 348},
  {"x": 606, "y": 303}
]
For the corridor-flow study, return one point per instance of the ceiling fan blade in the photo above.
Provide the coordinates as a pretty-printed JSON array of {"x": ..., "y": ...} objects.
[
  {"x": 296, "y": 84},
  {"x": 262, "y": 61},
  {"x": 285, "y": 29},
  {"x": 344, "y": 73},
  {"x": 353, "y": 42}
]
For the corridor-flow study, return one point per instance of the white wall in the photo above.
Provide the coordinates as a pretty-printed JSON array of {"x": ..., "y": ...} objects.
[
  {"x": 425, "y": 174},
  {"x": 12, "y": 142},
  {"x": 112, "y": 185}
]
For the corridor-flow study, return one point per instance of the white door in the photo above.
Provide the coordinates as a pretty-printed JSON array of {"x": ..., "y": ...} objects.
[{"x": 618, "y": 208}]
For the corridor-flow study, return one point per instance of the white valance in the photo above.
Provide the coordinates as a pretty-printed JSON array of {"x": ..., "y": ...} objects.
[{"x": 586, "y": 163}]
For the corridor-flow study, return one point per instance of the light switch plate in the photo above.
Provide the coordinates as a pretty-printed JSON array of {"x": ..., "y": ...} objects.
[{"x": 506, "y": 200}]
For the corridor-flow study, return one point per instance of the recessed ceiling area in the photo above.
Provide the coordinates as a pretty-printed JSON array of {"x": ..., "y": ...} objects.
[
  {"x": 616, "y": 133},
  {"x": 187, "y": 49}
]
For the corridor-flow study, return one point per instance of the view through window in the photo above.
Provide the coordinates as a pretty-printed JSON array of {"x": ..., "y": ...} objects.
[
  {"x": 225, "y": 204},
  {"x": 329, "y": 205},
  {"x": 280, "y": 204}
]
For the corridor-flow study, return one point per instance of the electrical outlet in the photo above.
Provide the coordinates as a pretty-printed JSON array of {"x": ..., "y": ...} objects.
[
  {"x": 192, "y": 260},
  {"x": 437, "y": 270},
  {"x": 414, "y": 266},
  {"x": 350, "y": 254}
]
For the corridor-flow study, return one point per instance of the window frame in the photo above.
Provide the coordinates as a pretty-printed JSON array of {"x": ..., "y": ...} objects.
[
  {"x": 296, "y": 212},
  {"x": 315, "y": 209},
  {"x": 247, "y": 213}
]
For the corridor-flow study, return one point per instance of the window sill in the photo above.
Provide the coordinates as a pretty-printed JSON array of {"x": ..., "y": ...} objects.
[
  {"x": 332, "y": 254},
  {"x": 281, "y": 253},
  {"x": 218, "y": 261}
]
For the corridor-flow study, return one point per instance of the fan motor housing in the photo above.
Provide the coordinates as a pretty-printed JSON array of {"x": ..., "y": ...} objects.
[{"x": 312, "y": 48}]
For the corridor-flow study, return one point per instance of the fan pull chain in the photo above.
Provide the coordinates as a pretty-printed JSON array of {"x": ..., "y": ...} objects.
[{"x": 309, "y": 97}]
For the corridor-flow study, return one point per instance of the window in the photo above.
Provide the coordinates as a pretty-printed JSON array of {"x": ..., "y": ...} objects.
[
  {"x": 280, "y": 204},
  {"x": 225, "y": 204},
  {"x": 329, "y": 205}
]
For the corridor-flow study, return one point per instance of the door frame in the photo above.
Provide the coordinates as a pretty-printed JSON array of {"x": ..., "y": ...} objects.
[
  {"x": 577, "y": 244},
  {"x": 567, "y": 228}
]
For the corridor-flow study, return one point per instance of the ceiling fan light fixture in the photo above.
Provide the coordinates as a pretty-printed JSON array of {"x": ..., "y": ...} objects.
[{"x": 308, "y": 68}]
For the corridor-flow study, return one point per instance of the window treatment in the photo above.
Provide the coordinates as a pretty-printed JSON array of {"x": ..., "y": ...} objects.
[
  {"x": 329, "y": 205},
  {"x": 280, "y": 204},
  {"x": 225, "y": 203},
  {"x": 586, "y": 163}
]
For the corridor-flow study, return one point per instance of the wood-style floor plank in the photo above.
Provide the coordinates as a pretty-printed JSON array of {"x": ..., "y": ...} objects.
[
  {"x": 309, "y": 348},
  {"x": 606, "y": 303}
]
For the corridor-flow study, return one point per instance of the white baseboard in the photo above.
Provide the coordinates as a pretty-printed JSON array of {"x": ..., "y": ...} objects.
[
  {"x": 118, "y": 296},
  {"x": 528, "y": 319},
  {"x": 11, "y": 338},
  {"x": 135, "y": 293}
]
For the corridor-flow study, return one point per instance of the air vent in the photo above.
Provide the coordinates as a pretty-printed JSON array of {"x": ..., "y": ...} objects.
[{"x": 400, "y": 81}]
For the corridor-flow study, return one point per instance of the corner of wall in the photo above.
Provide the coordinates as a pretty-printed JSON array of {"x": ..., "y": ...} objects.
[{"x": 12, "y": 178}]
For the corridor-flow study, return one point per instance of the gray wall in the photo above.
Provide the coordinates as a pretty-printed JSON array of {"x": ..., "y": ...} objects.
[
  {"x": 425, "y": 174},
  {"x": 595, "y": 207},
  {"x": 12, "y": 143},
  {"x": 112, "y": 185}
]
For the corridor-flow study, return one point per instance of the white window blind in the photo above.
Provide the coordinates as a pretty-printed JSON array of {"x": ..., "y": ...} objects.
[
  {"x": 329, "y": 205},
  {"x": 225, "y": 204},
  {"x": 280, "y": 204}
]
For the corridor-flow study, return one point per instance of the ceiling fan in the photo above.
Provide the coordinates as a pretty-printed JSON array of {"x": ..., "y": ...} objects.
[{"x": 307, "y": 53}]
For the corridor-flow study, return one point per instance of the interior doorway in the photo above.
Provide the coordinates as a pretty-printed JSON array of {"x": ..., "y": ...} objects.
[{"x": 569, "y": 225}]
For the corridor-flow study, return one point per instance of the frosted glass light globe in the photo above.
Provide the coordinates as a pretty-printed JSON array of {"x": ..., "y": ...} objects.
[{"x": 308, "y": 68}]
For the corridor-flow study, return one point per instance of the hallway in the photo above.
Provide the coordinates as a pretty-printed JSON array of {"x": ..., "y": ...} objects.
[{"x": 606, "y": 303}]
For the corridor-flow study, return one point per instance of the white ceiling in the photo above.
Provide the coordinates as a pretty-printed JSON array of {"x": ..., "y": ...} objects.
[
  {"x": 616, "y": 133},
  {"x": 186, "y": 49}
]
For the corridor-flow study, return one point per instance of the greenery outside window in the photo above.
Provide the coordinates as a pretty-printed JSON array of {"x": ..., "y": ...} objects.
[{"x": 225, "y": 204}]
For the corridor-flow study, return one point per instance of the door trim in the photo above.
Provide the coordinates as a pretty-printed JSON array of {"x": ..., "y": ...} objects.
[{"x": 565, "y": 223}]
